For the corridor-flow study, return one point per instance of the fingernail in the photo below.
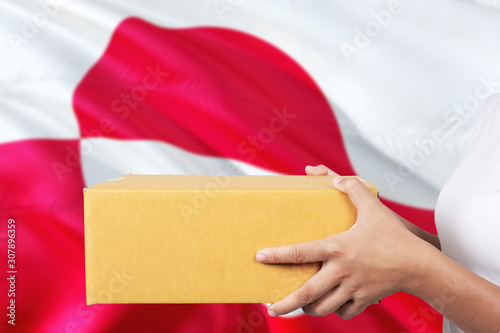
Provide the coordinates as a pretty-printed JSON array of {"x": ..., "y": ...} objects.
[
  {"x": 338, "y": 179},
  {"x": 260, "y": 257},
  {"x": 271, "y": 313}
]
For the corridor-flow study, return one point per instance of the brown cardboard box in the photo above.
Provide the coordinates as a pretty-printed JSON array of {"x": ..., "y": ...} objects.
[{"x": 193, "y": 239}]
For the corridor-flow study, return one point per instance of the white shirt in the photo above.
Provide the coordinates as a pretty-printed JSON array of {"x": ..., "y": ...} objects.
[{"x": 468, "y": 209}]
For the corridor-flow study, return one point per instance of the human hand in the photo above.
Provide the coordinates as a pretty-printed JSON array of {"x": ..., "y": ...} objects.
[
  {"x": 376, "y": 257},
  {"x": 319, "y": 170}
]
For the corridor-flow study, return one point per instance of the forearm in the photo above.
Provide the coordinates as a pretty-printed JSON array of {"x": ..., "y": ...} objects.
[
  {"x": 463, "y": 297},
  {"x": 420, "y": 233}
]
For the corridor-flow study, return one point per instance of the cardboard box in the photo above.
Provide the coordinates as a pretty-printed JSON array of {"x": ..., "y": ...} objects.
[{"x": 193, "y": 239}]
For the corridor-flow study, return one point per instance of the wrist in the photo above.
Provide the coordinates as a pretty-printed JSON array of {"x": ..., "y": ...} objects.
[{"x": 423, "y": 274}]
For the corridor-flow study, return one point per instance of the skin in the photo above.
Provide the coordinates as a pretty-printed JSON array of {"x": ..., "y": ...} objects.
[{"x": 380, "y": 255}]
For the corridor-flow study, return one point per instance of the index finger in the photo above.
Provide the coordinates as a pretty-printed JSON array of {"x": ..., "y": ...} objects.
[
  {"x": 310, "y": 251},
  {"x": 313, "y": 289}
]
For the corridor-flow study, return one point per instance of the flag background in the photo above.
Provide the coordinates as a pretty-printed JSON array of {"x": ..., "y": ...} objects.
[{"x": 93, "y": 90}]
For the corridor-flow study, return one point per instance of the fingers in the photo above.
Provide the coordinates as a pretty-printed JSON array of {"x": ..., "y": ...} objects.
[
  {"x": 328, "y": 303},
  {"x": 319, "y": 170},
  {"x": 314, "y": 288},
  {"x": 359, "y": 194},
  {"x": 311, "y": 251},
  {"x": 350, "y": 309}
]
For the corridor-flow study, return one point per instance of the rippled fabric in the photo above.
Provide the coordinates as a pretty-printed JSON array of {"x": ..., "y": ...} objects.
[{"x": 212, "y": 90}]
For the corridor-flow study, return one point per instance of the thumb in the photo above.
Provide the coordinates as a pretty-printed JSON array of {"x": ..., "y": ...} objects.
[
  {"x": 319, "y": 170},
  {"x": 360, "y": 195}
]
